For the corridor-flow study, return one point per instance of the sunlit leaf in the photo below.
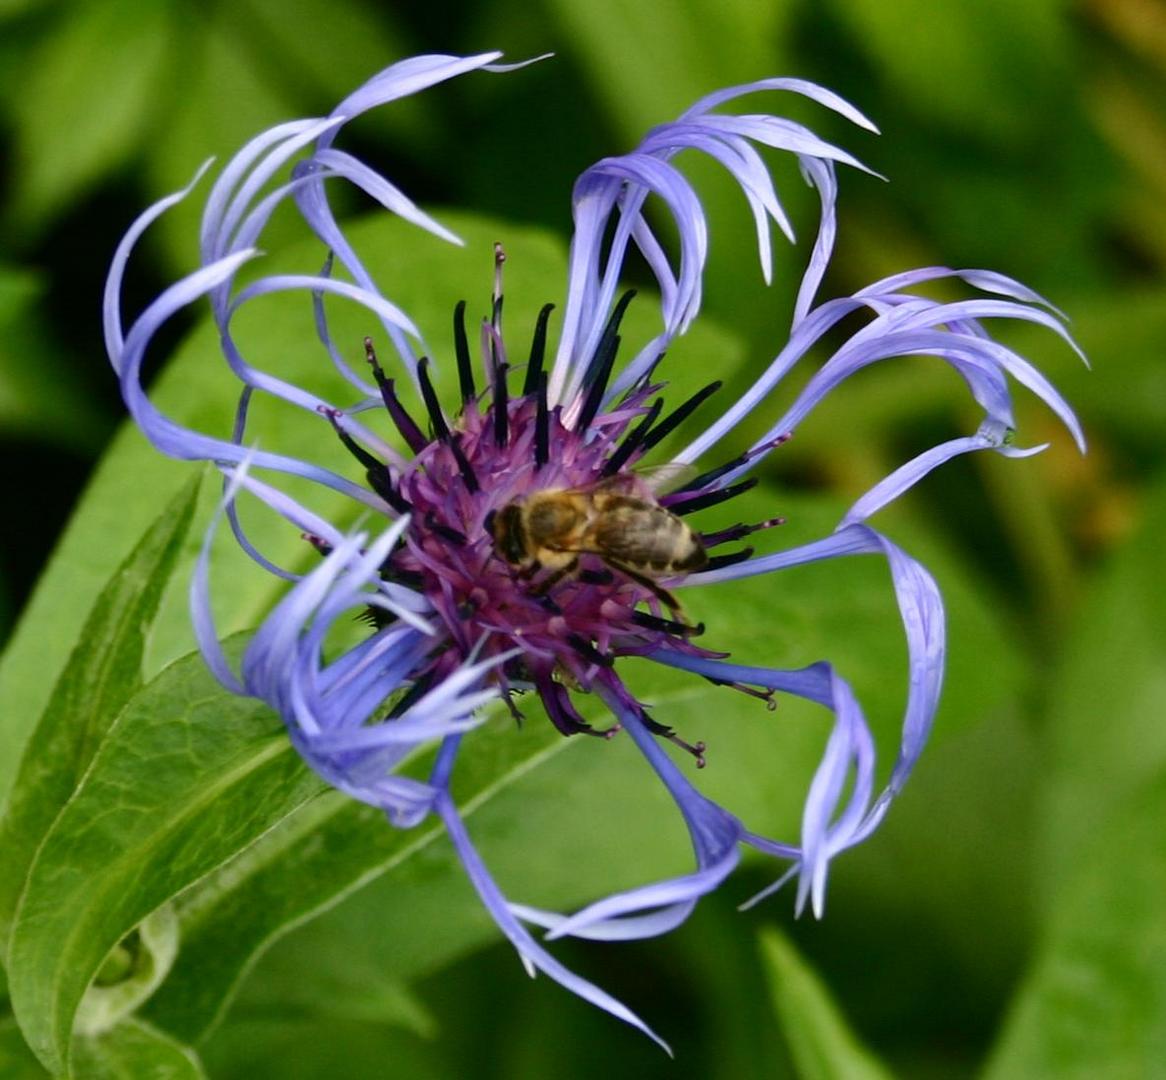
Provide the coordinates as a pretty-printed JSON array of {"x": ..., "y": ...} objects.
[
  {"x": 103, "y": 673},
  {"x": 186, "y": 777}
]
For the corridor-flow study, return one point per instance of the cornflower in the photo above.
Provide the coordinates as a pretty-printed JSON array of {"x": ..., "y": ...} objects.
[{"x": 522, "y": 552}]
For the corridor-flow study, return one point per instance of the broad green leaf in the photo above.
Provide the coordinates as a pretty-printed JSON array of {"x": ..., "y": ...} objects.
[
  {"x": 90, "y": 91},
  {"x": 186, "y": 777},
  {"x": 35, "y": 400},
  {"x": 1103, "y": 734},
  {"x": 1094, "y": 1004},
  {"x": 103, "y": 673},
  {"x": 820, "y": 1040},
  {"x": 133, "y": 480},
  {"x": 134, "y": 1049}
]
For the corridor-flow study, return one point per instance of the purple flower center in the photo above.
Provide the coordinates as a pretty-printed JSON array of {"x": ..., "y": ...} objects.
[{"x": 570, "y": 598}]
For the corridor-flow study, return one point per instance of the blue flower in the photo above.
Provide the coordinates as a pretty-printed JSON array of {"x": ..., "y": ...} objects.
[{"x": 520, "y": 549}]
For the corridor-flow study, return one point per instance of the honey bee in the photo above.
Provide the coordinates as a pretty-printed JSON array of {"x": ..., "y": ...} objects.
[{"x": 631, "y": 533}]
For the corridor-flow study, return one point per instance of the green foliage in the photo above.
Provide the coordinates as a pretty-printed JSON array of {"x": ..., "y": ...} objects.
[
  {"x": 822, "y": 1045},
  {"x": 161, "y": 836}
]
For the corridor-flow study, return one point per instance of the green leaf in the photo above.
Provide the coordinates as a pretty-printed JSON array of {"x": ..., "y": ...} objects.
[
  {"x": 17, "y": 1061},
  {"x": 111, "y": 51},
  {"x": 103, "y": 673},
  {"x": 1108, "y": 696},
  {"x": 1094, "y": 1004},
  {"x": 821, "y": 1042},
  {"x": 130, "y": 1050},
  {"x": 956, "y": 65},
  {"x": 187, "y": 776},
  {"x": 134, "y": 1049}
]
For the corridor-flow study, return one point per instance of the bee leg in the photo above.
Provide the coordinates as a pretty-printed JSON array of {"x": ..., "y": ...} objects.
[
  {"x": 658, "y": 590},
  {"x": 527, "y": 572},
  {"x": 550, "y": 582}
]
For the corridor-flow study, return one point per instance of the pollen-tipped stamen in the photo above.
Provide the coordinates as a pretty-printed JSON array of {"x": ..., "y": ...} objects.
[
  {"x": 738, "y": 532},
  {"x": 410, "y": 432}
]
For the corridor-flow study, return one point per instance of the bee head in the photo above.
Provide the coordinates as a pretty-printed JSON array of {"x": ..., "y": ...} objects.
[{"x": 506, "y": 528}]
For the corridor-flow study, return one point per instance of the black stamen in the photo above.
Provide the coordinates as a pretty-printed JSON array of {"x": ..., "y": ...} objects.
[
  {"x": 663, "y": 731},
  {"x": 461, "y": 346},
  {"x": 595, "y": 577},
  {"x": 738, "y": 532},
  {"x": 674, "y": 419},
  {"x": 666, "y": 626},
  {"x": 717, "y": 562},
  {"x": 538, "y": 348},
  {"x": 588, "y": 651},
  {"x": 382, "y": 483},
  {"x": 446, "y": 532},
  {"x": 410, "y": 432},
  {"x": 542, "y": 425},
  {"x": 468, "y": 475},
  {"x": 763, "y": 695},
  {"x": 701, "y": 502},
  {"x": 318, "y": 542},
  {"x": 501, "y": 403},
  {"x": 440, "y": 428},
  {"x": 413, "y": 579},
  {"x": 351, "y": 445},
  {"x": 633, "y": 441},
  {"x": 602, "y": 362},
  {"x": 706, "y": 478},
  {"x": 411, "y": 696}
]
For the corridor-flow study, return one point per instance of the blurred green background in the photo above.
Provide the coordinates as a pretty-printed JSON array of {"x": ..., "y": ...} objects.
[{"x": 1010, "y": 917}]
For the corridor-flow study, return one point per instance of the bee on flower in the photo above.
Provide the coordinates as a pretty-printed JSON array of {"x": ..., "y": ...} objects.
[{"x": 516, "y": 544}]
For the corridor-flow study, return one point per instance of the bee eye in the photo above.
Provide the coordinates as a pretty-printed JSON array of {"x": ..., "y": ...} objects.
[{"x": 489, "y": 521}]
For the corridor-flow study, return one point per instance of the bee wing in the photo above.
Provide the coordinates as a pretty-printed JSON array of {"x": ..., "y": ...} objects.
[{"x": 660, "y": 479}]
